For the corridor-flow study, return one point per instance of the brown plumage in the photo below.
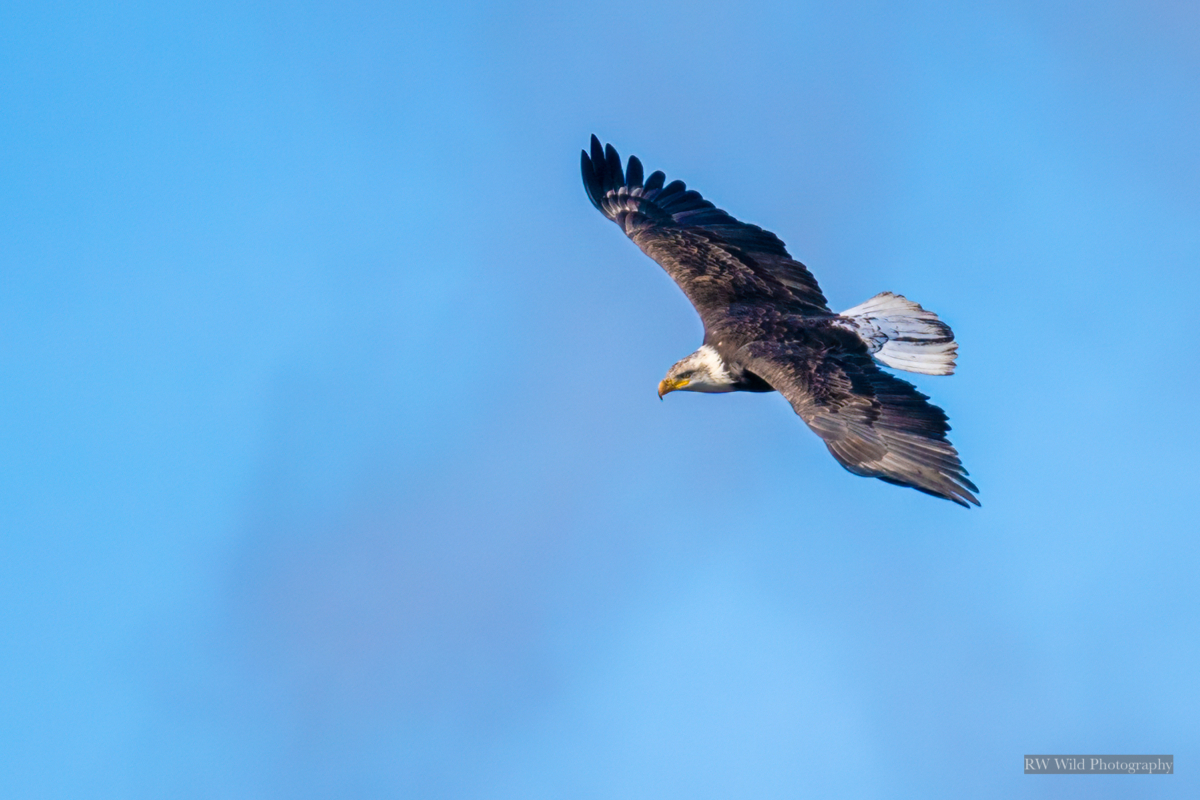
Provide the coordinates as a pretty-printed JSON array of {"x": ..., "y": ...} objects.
[{"x": 771, "y": 329}]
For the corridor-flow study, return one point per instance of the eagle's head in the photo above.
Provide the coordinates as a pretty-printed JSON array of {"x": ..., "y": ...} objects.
[{"x": 702, "y": 371}]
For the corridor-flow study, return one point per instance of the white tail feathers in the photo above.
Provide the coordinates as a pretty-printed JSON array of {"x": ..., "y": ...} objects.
[{"x": 903, "y": 335}]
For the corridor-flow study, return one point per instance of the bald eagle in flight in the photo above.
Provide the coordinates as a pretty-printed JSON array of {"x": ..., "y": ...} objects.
[{"x": 767, "y": 327}]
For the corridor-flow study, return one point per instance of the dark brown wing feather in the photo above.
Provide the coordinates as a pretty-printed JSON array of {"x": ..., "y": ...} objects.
[
  {"x": 873, "y": 423},
  {"x": 716, "y": 260}
]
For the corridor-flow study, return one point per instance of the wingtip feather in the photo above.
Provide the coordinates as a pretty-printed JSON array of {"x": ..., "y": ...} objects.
[
  {"x": 591, "y": 182},
  {"x": 614, "y": 175},
  {"x": 633, "y": 173}
]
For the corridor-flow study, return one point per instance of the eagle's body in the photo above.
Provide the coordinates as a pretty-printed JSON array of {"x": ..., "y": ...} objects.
[{"x": 767, "y": 327}]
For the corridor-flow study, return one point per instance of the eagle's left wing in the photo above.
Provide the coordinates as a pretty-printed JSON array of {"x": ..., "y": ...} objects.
[
  {"x": 873, "y": 423},
  {"x": 717, "y": 260}
]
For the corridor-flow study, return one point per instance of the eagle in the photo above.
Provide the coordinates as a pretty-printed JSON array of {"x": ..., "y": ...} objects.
[{"x": 768, "y": 327}]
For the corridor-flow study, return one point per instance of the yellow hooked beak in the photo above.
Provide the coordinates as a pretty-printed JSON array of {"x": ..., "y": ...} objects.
[{"x": 670, "y": 385}]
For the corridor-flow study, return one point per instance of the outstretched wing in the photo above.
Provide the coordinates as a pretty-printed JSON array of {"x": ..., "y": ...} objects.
[
  {"x": 716, "y": 260},
  {"x": 873, "y": 423}
]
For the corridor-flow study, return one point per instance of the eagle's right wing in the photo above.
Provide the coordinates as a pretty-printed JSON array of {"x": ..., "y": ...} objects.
[
  {"x": 716, "y": 260},
  {"x": 873, "y": 423}
]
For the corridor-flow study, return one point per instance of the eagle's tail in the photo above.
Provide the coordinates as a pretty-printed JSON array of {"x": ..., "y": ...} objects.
[{"x": 903, "y": 335}]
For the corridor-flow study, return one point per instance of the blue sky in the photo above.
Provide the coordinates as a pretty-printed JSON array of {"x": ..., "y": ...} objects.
[{"x": 334, "y": 465}]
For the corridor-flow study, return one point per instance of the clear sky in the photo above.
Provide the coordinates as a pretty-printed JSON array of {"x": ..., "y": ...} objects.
[{"x": 333, "y": 464}]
